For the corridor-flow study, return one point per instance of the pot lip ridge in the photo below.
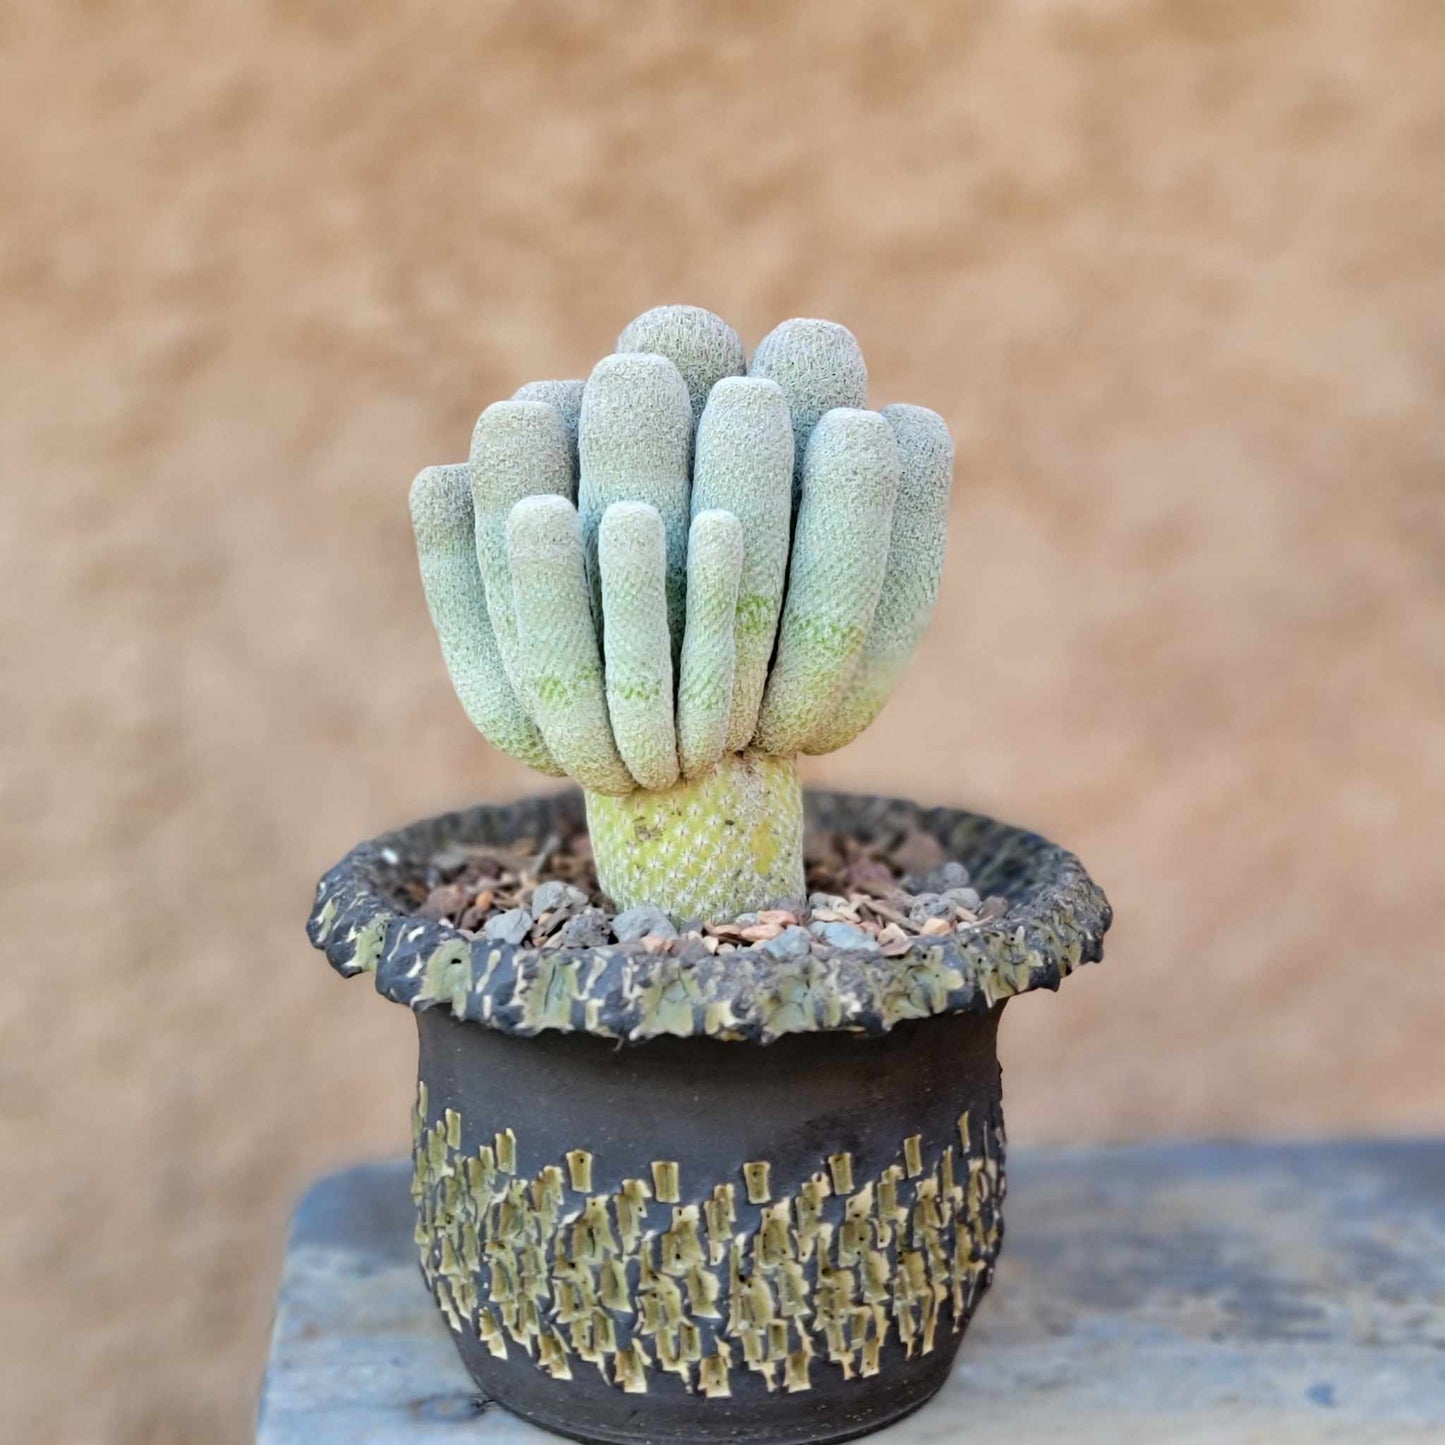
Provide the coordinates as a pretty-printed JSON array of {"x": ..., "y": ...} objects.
[{"x": 1056, "y": 922}]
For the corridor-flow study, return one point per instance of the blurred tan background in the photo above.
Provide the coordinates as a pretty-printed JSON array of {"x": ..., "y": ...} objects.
[{"x": 1172, "y": 270}]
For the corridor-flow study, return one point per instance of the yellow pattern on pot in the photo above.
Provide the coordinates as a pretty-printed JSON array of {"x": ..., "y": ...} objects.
[{"x": 635, "y": 1281}]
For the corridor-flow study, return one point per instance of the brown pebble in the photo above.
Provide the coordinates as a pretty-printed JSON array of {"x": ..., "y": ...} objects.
[
  {"x": 919, "y": 852},
  {"x": 902, "y": 920},
  {"x": 761, "y": 932},
  {"x": 723, "y": 930},
  {"x": 893, "y": 942},
  {"x": 870, "y": 875},
  {"x": 444, "y": 900}
]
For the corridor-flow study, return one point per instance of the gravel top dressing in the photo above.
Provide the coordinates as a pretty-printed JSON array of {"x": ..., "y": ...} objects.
[{"x": 544, "y": 893}]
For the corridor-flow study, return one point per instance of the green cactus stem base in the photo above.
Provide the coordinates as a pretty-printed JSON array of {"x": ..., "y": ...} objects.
[{"x": 712, "y": 847}]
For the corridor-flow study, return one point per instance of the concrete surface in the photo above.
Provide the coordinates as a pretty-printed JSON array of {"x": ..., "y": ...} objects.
[{"x": 1156, "y": 1295}]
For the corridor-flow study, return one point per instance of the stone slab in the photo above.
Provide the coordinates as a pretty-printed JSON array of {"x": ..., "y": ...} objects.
[{"x": 1170, "y": 1294}]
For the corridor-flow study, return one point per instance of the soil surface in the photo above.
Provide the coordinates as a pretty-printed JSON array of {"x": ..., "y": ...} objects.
[{"x": 877, "y": 897}]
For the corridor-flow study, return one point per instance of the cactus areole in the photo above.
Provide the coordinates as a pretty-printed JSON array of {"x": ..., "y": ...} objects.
[{"x": 770, "y": 1216}]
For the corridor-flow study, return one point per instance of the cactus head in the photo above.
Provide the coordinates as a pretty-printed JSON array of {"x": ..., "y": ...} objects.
[{"x": 669, "y": 581}]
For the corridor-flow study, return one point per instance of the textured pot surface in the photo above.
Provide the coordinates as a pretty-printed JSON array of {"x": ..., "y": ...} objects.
[
  {"x": 680, "y": 1197},
  {"x": 1056, "y": 922},
  {"x": 697, "y": 1241}
]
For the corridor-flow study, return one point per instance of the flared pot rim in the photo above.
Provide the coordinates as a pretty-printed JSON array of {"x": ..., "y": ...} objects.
[{"x": 1056, "y": 922}]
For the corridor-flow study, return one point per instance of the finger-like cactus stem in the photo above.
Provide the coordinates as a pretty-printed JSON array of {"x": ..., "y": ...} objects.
[
  {"x": 559, "y": 644},
  {"x": 634, "y": 444},
  {"x": 819, "y": 366},
  {"x": 519, "y": 449},
  {"x": 709, "y": 646},
  {"x": 840, "y": 553},
  {"x": 722, "y": 844},
  {"x": 632, "y": 558},
  {"x": 744, "y": 465},
  {"x": 702, "y": 346},
  {"x": 910, "y": 585},
  {"x": 441, "y": 514},
  {"x": 566, "y": 396}
]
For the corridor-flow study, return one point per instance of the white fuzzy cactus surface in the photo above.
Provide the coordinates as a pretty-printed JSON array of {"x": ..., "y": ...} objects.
[{"x": 668, "y": 581}]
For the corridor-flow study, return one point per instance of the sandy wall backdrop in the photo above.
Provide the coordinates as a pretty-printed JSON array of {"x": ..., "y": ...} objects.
[{"x": 1173, "y": 272}]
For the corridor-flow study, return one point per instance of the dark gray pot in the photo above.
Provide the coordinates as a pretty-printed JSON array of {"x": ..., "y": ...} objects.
[{"x": 708, "y": 1198}]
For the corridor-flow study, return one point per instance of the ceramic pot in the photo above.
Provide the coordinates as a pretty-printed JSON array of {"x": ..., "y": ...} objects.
[{"x": 711, "y": 1197}]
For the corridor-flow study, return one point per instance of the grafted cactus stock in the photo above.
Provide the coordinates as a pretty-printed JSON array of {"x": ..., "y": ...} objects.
[{"x": 670, "y": 580}]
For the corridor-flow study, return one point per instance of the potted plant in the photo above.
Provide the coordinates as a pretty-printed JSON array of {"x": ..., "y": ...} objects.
[{"x": 708, "y": 1136}]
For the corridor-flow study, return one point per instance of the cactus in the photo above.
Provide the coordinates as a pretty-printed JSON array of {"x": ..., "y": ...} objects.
[{"x": 669, "y": 581}]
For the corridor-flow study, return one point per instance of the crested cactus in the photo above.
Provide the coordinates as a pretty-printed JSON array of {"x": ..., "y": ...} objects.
[{"x": 669, "y": 581}]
